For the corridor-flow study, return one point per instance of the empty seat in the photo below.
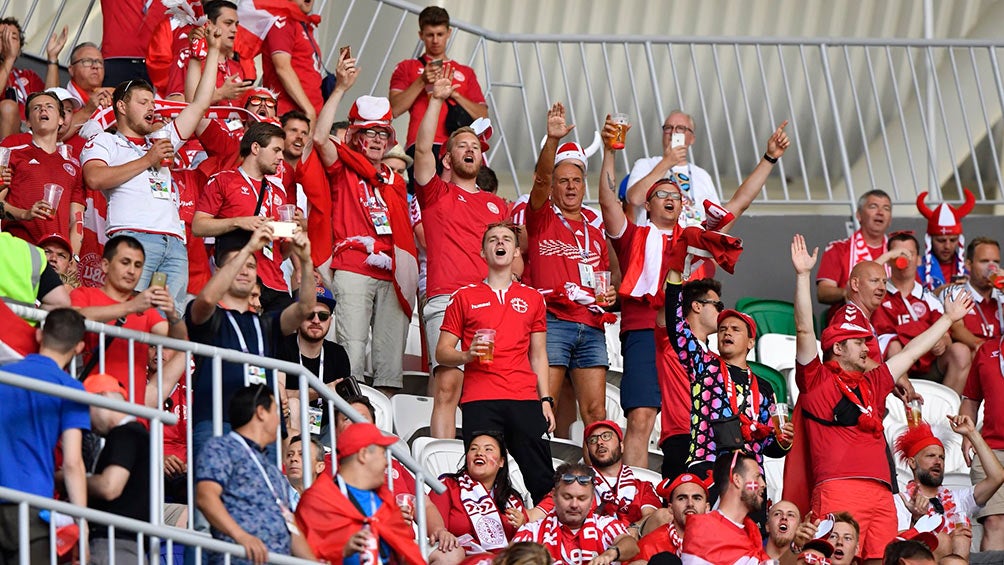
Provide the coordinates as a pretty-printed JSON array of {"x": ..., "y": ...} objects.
[
  {"x": 771, "y": 316},
  {"x": 776, "y": 351},
  {"x": 412, "y": 415}
]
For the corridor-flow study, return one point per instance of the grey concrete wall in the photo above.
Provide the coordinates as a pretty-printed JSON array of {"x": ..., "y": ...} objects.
[{"x": 765, "y": 270}]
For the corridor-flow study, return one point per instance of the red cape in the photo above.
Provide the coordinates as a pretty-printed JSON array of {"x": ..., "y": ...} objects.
[{"x": 328, "y": 519}]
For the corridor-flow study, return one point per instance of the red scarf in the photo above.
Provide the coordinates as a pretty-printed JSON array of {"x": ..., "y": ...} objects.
[
  {"x": 846, "y": 382},
  {"x": 328, "y": 519},
  {"x": 752, "y": 429},
  {"x": 561, "y": 542},
  {"x": 320, "y": 195}
]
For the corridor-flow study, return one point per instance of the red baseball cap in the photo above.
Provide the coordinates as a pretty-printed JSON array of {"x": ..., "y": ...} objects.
[
  {"x": 666, "y": 487},
  {"x": 604, "y": 424},
  {"x": 839, "y": 332},
  {"x": 359, "y": 436},
  {"x": 102, "y": 383},
  {"x": 730, "y": 313},
  {"x": 55, "y": 238}
]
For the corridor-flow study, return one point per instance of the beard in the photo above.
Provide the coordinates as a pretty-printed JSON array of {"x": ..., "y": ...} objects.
[
  {"x": 752, "y": 499},
  {"x": 925, "y": 478},
  {"x": 613, "y": 457}
]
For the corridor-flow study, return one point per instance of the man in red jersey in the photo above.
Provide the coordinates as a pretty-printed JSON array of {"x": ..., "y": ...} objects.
[
  {"x": 983, "y": 261},
  {"x": 291, "y": 60},
  {"x": 866, "y": 289},
  {"x": 844, "y": 456},
  {"x": 460, "y": 213},
  {"x": 412, "y": 81},
  {"x": 183, "y": 77},
  {"x": 237, "y": 202},
  {"x": 21, "y": 82},
  {"x": 944, "y": 256},
  {"x": 504, "y": 381},
  {"x": 118, "y": 301},
  {"x": 686, "y": 495},
  {"x": 368, "y": 224},
  {"x": 35, "y": 164}
]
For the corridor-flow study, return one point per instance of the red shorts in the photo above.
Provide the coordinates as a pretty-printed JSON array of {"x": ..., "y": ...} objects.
[{"x": 871, "y": 504}]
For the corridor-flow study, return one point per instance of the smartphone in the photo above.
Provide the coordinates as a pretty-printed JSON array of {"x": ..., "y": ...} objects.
[
  {"x": 436, "y": 63},
  {"x": 348, "y": 388},
  {"x": 158, "y": 279},
  {"x": 248, "y": 83},
  {"x": 677, "y": 140},
  {"x": 282, "y": 229},
  {"x": 344, "y": 52}
]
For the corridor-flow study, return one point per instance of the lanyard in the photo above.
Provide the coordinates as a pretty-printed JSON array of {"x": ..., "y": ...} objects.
[
  {"x": 240, "y": 336},
  {"x": 139, "y": 150},
  {"x": 345, "y": 491},
  {"x": 584, "y": 252},
  {"x": 258, "y": 464},
  {"x": 730, "y": 388},
  {"x": 268, "y": 193}
]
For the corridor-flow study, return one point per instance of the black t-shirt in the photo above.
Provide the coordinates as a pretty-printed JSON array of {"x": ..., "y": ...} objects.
[
  {"x": 127, "y": 446},
  {"x": 48, "y": 281},
  {"x": 336, "y": 361}
]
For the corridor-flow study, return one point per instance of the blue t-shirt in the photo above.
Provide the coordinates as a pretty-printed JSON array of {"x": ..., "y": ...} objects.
[
  {"x": 370, "y": 502},
  {"x": 31, "y": 424},
  {"x": 219, "y": 332}
]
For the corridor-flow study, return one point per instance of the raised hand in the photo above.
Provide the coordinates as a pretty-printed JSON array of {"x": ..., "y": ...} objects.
[
  {"x": 214, "y": 37},
  {"x": 443, "y": 88},
  {"x": 675, "y": 155},
  {"x": 962, "y": 424},
  {"x": 346, "y": 71},
  {"x": 556, "y": 126},
  {"x": 778, "y": 142},
  {"x": 800, "y": 258},
  {"x": 957, "y": 306},
  {"x": 56, "y": 43}
]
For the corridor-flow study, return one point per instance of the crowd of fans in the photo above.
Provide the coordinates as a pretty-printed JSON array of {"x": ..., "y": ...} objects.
[{"x": 165, "y": 189}]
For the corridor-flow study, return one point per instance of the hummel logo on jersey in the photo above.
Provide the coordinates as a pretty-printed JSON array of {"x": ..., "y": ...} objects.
[
  {"x": 33, "y": 162},
  {"x": 461, "y": 198},
  {"x": 482, "y": 305}
]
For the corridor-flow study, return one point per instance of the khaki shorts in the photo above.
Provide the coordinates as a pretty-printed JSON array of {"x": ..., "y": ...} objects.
[
  {"x": 433, "y": 313},
  {"x": 995, "y": 505}
]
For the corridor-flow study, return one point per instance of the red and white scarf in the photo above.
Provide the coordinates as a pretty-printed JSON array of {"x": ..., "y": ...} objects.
[
  {"x": 572, "y": 549},
  {"x": 859, "y": 250},
  {"x": 643, "y": 274},
  {"x": 615, "y": 499},
  {"x": 952, "y": 515},
  {"x": 675, "y": 538},
  {"x": 169, "y": 110},
  {"x": 484, "y": 513}
]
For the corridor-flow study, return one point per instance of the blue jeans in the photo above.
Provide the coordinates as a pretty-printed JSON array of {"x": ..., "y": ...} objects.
[
  {"x": 165, "y": 254},
  {"x": 575, "y": 345}
]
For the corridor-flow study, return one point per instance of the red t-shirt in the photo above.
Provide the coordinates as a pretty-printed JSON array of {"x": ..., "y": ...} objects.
[
  {"x": 986, "y": 384},
  {"x": 455, "y": 516},
  {"x": 454, "y": 246},
  {"x": 225, "y": 68},
  {"x": 350, "y": 217},
  {"x": 189, "y": 182},
  {"x": 291, "y": 37},
  {"x": 851, "y": 314},
  {"x": 554, "y": 252},
  {"x": 117, "y": 354},
  {"x": 674, "y": 388},
  {"x": 514, "y": 314},
  {"x": 408, "y": 70},
  {"x": 230, "y": 194},
  {"x": 175, "y": 437},
  {"x": 630, "y": 496},
  {"x": 128, "y": 25},
  {"x": 32, "y": 168},
  {"x": 984, "y": 318},
  {"x": 636, "y": 313},
  {"x": 223, "y": 147},
  {"x": 895, "y": 320},
  {"x": 24, "y": 82},
  {"x": 842, "y": 452},
  {"x": 835, "y": 263}
]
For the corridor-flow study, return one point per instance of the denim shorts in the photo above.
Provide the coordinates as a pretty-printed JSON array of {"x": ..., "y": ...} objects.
[
  {"x": 640, "y": 383},
  {"x": 575, "y": 345}
]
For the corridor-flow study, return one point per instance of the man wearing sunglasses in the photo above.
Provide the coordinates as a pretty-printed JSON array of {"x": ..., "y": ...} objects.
[
  {"x": 365, "y": 245},
  {"x": 571, "y": 532},
  {"x": 653, "y": 378}
]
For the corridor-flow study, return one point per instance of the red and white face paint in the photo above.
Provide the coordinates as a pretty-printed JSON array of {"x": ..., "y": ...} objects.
[{"x": 752, "y": 486}]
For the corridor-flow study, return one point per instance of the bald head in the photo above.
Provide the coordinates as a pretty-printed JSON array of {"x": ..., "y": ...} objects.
[{"x": 866, "y": 285}]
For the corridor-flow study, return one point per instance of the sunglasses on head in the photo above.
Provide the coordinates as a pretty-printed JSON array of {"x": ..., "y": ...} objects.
[
  {"x": 257, "y": 100},
  {"x": 322, "y": 316},
  {"x": 569, "y": 478}
]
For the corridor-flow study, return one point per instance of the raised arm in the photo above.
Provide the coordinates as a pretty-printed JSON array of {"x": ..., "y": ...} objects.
[
  {"x": 747, "y": 191},
  {"x": 955, "y": 308},
  {"x": 613, "y": 214},
  {"x": 205, "y": 303},
  {"x": 346, "y": 74},
  {"x": 994, "y": 471},
  {"x": 52, "y": 49},
  {"x": 805, "y": 336},
  {"x": 425, "y": 161},
  {"x": 296, "y": 313},
  {"x": 189, "y": 118},
  {"x": 556, "y": 129}
]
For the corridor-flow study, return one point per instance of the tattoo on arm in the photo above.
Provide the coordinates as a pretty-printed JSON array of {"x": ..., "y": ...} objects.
[{"x": 610, "y": 181}]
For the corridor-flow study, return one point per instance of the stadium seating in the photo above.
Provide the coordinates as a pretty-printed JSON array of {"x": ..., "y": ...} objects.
[{"x": 771, "y": 316}]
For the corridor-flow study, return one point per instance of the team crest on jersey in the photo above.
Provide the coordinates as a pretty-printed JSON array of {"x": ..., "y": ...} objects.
[
  {"x": 919, "y": 309},
  {"x": 69, "y": 169},
  {"x": 493, "y": 208},
  {"x": 519, "y": 305}
]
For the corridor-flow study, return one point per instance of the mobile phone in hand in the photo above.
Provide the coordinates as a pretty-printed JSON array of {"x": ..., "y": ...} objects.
[
  {"x": 677, "y": 140},
  {"x": 348, "y": 388}
]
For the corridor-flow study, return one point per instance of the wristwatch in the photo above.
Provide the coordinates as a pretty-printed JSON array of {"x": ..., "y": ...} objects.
[{"x": 549, "y": 400}]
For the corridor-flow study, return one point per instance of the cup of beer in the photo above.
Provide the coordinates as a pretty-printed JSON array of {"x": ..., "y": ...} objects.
[
  {"x": 486, "y": 336},
  {"x": 914, "y": 416},
  {"x": 406, "y": 500},
  {"x": 778, "y": 416},
  {"x": 162, "y": 133},
  {"x": 52, "y": 193},
  {"x": 601, "y": 284},
  {"x": 621, "y": 120}
]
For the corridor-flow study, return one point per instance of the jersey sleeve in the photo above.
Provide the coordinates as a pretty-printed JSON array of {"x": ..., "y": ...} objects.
[
  {"x": 400, "y": 79},
  {"x": 974, "y": 388},
  {"x": 280, "y": 38},
  {"x": 74, "y": 415},
  {"x": 218, "y": 141},
  {"x": 98, "y": 148},
  {"x": 540, "y": 317},
  {"x": 453, "y": 319},
  {"x": 612, "y": 530},
  {"x": 210, "y": 200},
  {"x": 647, "y": 495},
  {"x": 830, "y": 265},
  {"x": 431, "y": 192}
]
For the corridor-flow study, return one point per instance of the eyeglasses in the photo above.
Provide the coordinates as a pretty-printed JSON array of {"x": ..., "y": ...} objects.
[
  {"x": 813, "y": 559},
  {"x": 595, "y": 438},
  {"x": 667, "y": 194},
  {"x": 88, "y": 63},
  {"x": 322, "y": 316},
  {"x": 676, "y": 129},
  {"x": 373, "y": 133},
  {"x": 259, "y": 100},
  {"x": 718, "y": 304},
  {"x": 569, "y": 478}
]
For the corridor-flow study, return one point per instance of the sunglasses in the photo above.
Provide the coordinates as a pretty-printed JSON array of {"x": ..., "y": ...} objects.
[
  {"x": 718, "y": 304},
  {"x": 569, "y": 478},
  {"x": 813, "y": 559},
  {"x": 322, "y": 316},
  {"x": 258, "y": 100},
  {"x": 605, "y": 436}
]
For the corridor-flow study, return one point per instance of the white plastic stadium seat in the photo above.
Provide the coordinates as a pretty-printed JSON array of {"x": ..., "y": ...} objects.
[
  {"x": 382, "y": 411},
  {"x": 442, "y": 456},
  {"x": 613, "y": 406},
  {"x": 647, "y": 475},
  {"x": 653, "y": 440},
  {"x": 412, "y": 413},
  {"x": 777, "y": 351},
  {"x": 613, "y": 337},
  {"x": 939, "y": 401},
  {"x": 413, "y": 345}
]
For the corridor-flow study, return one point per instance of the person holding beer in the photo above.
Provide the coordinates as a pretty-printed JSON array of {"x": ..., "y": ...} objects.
[{"x": 505, "y": 377}]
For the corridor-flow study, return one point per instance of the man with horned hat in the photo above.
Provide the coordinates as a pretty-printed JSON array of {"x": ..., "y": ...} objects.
[{"x": 944, "y": 252}]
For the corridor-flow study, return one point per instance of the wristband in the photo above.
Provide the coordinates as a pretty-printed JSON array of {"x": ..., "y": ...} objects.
[
  {"x": 618, "y": 550},
  {"x": 549, "y": 400},
  {"x": 770, "y": 159},
  {"x": 53, "y": 62}
]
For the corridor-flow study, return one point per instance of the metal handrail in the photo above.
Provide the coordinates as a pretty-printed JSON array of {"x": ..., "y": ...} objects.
[{"x": 162, "y": 532}]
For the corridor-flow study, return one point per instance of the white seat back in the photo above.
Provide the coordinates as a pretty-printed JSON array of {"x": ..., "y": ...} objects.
[
  {"x": 383, "y": 413},
  {"x": 412, "y": 413}
]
